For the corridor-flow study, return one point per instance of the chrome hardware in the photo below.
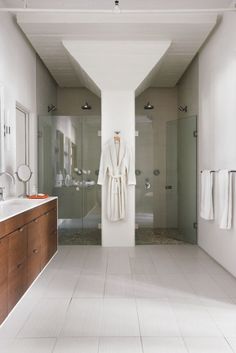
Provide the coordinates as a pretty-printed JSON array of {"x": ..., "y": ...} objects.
[
  {"x": 147, "y": 184},
  {"x": 9, "y": 175},
  {"x": 156, "y": 172},
  {"x": 168, "y": 187},
  {"x": 2, "y": 188},
  {"x": 78, "y": 171}
]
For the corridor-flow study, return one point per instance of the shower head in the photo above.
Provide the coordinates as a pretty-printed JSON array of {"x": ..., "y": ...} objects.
[
  {"x": 51, "y": 108},
  {"x": 148, "y": 106},
  {"x": 86, "y": 106}
]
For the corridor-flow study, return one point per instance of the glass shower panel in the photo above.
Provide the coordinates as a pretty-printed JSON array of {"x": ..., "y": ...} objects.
[
  {"x": 69, "y": 151},
  {"x": 92, "y": 191},
  {"x": 187, "y": 178},
  {"x": 171, "y": 176},
  {"x": 144, "y": 172}
]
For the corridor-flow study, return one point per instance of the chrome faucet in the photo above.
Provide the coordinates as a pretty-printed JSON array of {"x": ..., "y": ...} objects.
[
  {"x": 11, "y": 176},
  {"x": 147, "y": 184}
]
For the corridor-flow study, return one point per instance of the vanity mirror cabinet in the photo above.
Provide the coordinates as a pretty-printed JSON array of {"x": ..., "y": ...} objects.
[{"x": 27, "y": 243}]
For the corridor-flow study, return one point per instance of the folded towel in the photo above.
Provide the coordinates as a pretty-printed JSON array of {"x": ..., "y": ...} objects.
[
  {"x": 225, "y": 199},
  {"x": 206, "y": 205}
]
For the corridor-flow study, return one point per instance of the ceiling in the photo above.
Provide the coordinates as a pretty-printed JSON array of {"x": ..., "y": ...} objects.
[
  {"x": 186, "y": 31},
  {"x": 125, "y": 4}
]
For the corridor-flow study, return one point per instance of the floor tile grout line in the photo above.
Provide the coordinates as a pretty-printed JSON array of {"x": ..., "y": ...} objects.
[
  {"x": 139, "y": 325},
  {"x": 54, "y": 346},
  {"x": 229, "y": 344},
  {"x": 64, "y": 320}
]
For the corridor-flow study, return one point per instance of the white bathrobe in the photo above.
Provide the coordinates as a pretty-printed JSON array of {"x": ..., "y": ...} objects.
[{"x": 116, "y": 173}]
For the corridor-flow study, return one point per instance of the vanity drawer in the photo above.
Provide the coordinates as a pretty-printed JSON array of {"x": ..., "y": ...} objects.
[
  {"x": 34, "y": 249},
  {"x": 35, "y": 230},
  {"x": 17, "y": 248},
  {"x": 50, "y": 221},
  {"x": 4, "y": 244},
  {"x": 34, "y": 266},
  {"x": 17, "y": 284}
]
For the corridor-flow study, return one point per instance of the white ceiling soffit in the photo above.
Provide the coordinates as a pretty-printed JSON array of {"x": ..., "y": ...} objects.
[
  {"x": 124, "y": 4},
  {"x": 46, "y": 31},
  {"x": 117, "y": 65}
]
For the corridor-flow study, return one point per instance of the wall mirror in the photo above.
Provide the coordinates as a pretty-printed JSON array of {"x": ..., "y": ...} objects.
[
  {"x": 24, "y": 173},
  {"x": 2, "y": 123}
]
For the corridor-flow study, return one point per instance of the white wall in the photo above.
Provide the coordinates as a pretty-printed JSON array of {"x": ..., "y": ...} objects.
[
  {"x": 216, "y": 70},
  {"x": 217, "y": 127},
  {"x": 188, "y": 90},
  {"x": 46, "y": 88},
  {"x": 18, "y": 76}
]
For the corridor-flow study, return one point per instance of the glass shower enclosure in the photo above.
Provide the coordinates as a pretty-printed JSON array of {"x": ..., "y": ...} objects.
[
  {"x": 69, "y": 149},
  {"x": 166, "y": 190}
]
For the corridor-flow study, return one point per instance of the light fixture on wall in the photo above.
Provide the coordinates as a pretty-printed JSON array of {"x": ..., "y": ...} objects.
[
  {"x": 148, "y": 106},
  {"x": 86, "y": 106},
  {"x": 117, "y": 6},
  {"x": 51, "y": 108},
  {"x": 183, "y": 109}
]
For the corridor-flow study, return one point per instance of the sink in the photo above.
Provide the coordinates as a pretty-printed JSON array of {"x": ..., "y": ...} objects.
[
  {"x": 16, "y": 202},
  {"x": 14, "y": 206}
]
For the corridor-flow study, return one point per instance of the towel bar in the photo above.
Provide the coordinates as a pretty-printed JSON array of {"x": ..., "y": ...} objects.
[{"x": 215, "y": 171}]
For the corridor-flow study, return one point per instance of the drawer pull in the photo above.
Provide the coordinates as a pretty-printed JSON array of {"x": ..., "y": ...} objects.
[
  {"x": 19, "y": 265},
  {"x": 47, "y": 214},
  {"x": 36, "y": 220},
  {"x": 21, "y": 229},
  {"x": 35, "y": 251}
]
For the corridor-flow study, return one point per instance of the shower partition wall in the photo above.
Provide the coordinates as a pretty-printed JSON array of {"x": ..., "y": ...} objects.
[
  {"x": 166, "y": 182},
  {"x": 69, "y": 154}
]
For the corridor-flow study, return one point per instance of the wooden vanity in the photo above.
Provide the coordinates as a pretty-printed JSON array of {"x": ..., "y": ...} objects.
[{"x": 28, "y": 241}]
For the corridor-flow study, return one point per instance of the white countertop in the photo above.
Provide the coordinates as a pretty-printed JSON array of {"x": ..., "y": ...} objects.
[{"x": 14, "y": 206}]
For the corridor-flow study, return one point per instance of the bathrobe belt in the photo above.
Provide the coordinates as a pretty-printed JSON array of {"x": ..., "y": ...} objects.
[{"x": 116, "y": 181}]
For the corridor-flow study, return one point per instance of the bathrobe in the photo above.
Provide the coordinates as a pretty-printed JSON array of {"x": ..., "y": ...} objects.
[{"x": 116, "y": 173}]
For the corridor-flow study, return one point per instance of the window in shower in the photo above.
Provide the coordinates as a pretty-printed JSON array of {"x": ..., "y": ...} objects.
[{"x": 69, "y": 155}]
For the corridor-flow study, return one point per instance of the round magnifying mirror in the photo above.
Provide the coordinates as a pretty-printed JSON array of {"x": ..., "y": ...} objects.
[{"x": 24, "y": 173}]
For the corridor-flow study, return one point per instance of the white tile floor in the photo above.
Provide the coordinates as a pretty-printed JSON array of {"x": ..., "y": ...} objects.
[{"x": 148, "y": 299}]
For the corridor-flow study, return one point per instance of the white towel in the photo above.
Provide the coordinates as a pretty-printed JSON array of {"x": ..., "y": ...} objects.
[
  {"x": 225, "y": 199},
  {"x": 206, "y": 210}
]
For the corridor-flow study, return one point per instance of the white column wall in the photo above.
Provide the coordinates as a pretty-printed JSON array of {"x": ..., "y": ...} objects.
[{"x": 118, "y": 113}]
